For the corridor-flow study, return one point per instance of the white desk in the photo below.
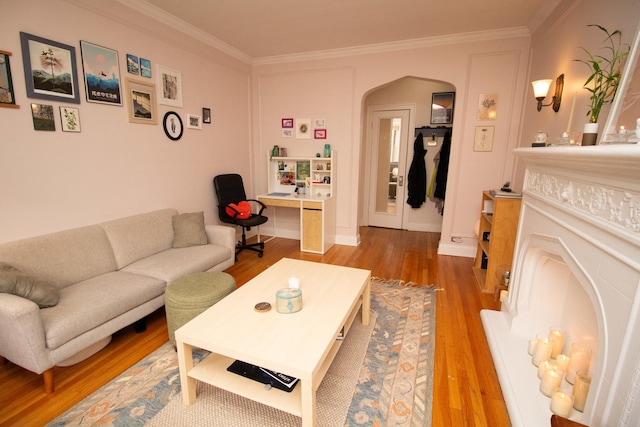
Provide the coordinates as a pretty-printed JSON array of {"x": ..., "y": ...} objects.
[{"x": 317, "y": 219}]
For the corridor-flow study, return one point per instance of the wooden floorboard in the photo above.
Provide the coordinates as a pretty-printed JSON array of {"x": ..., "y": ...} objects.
[{"x": 466, "y": 389}]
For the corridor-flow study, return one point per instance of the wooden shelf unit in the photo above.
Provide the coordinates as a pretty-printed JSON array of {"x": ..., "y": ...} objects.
[{"x": 496, "y": 238}]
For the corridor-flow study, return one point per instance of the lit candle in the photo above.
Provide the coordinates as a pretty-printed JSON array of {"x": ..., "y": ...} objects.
[
  {"x": 573, "y": 107},
  {"x": 562, "y": 360},
  {"x": 543, "y": 366},
  {"x": 561, "y": 402},
  {"x": 550, "y": 381},
  {"x": 556, "y": 337},
  {"x": 581, "y": 390},
  {"x": 541, "y": 352},
  {"x": 580, "y": 358}
]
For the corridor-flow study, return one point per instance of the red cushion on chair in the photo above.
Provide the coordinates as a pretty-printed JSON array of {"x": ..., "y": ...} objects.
[{"x": 243, "y": 207}]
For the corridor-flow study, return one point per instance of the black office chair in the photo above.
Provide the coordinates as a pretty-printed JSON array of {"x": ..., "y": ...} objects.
[{"x": 230, "y": 189}]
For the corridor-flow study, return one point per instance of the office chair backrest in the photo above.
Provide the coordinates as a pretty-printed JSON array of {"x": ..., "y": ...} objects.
[{"x": 229, "y": 189}]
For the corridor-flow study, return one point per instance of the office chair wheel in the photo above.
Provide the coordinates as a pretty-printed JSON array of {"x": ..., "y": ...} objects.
[
  {"x": 259, "y": 254},
  {"x": 261, "y": 245}
]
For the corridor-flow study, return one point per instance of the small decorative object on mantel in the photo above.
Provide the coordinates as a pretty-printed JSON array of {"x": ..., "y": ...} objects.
[{"x": 603, "y": 81}]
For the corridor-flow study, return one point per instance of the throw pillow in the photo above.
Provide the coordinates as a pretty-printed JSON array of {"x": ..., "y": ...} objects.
[
  {"x": 14, "y": 281},
  {"x": 240, "y": 211},
  {"x": 188, "y": 230}
]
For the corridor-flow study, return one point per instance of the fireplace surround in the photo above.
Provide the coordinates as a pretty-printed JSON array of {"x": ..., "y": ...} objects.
[{"x": 576, "y": 265}]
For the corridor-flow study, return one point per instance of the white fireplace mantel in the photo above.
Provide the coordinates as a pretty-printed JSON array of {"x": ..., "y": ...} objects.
[{"x": 581, "y": 209}]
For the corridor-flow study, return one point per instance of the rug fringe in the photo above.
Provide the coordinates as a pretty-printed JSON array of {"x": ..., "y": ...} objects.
[{"x": 405, "y": 283}]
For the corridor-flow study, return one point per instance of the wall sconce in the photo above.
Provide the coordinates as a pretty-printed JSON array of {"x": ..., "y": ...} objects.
[{"x": 541, "y": 89}]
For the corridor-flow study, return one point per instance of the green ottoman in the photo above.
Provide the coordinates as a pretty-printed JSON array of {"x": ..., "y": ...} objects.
[{"x": 189, "y": 296}]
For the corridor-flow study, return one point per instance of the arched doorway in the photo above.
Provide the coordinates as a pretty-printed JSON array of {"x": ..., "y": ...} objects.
[{"x": 387, "y": 160}]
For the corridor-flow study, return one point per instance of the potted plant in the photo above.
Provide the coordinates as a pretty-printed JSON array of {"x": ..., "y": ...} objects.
[{"x": 602, "y": 83}]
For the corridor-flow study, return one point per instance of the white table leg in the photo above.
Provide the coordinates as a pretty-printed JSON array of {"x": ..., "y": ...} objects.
[
  {"x": 308, "y": 403},
  {"x": 185, "y": 364}
]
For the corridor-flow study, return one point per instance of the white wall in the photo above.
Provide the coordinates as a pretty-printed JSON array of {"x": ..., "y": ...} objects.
[
  {"x": 334, "y": 88},
  {"x": 51, "y": 181},
  {"x": 555, "y": 46}
]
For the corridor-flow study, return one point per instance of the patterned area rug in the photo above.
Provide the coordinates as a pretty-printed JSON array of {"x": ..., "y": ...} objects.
[{"x": 382, "y": 376}]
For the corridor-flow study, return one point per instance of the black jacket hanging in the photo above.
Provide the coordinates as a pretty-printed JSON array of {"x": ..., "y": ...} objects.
[
  {"x": 443, "y": 167},
  {"x": 417, "y": 177}
]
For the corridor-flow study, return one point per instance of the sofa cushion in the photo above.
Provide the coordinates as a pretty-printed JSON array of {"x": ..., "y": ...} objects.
[
  {"x": 13, "y": 281},
  {"x": 63, "y": 258},
  {"x": 90, "y": 303},
  {"x": 136, "y": 237},
  {"x": 188, "y": 230},
  {"x": 172, "y": 264}
]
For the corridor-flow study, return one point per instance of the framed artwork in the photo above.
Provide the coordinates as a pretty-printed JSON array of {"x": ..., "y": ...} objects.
[
  {"x": 141, "y": 102},
  {"x": 287, "y": 123},
  {"x": 442, "y": 107},
  {"x": 43, "y": 117},
  {"x": 320, "y": 134},
  {"x": 7, "y": 97},
  {"x": 170, "y": 83},
  {"x": 101, "y": 74},
  {"x": 194, "y": 122},
  {"x": 70, "y": 119},
  {"x": 49, "y": 69},
  {"x": 484, "y": 138},
  {"x": 287, "y": 133},
  {"x": 319, "y": 123},
  {"x": 145, "y": 68},
  {"x": 487, "y": 106},
  {"x": 172, "y": 124},
  {"x": 303, "y": 128},
  {"x": 133, "y": 64},
  {"x": 206, "y": 115}
]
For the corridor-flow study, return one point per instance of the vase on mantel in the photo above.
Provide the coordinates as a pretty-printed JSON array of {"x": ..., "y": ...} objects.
[{"x": 590, "y": 134}]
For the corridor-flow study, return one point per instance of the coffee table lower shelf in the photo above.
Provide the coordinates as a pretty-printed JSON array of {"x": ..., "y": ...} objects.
[{"x": 213, "y": 370}]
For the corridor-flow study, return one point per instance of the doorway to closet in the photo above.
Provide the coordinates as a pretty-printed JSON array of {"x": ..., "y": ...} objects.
[{"x": 386, "y": 125}]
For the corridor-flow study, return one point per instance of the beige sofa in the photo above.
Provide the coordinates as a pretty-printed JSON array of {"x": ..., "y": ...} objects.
[{"x": 104, "y": 277}]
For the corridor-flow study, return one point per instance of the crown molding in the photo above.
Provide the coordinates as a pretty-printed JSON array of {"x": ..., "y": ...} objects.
[
  {"x": 178, "y": 24},
  {"x": 478, "y": 36}
]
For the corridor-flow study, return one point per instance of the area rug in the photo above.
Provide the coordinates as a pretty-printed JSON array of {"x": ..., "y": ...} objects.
[{"x": 382, "y": 376}]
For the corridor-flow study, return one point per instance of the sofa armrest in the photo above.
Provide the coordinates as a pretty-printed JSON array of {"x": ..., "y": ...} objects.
[
  {"x": 222, "y": 235},
  {"x": 22, "y": 337}
]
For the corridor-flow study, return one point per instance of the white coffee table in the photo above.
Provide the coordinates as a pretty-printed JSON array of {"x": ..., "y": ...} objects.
[{"x": 301, "y": 344}]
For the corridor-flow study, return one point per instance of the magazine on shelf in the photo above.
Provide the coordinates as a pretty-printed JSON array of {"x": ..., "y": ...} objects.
[{"x": 282, "y": 378}]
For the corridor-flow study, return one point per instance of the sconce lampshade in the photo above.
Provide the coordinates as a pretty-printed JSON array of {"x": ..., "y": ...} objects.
[{"x": 541, "y": 88}]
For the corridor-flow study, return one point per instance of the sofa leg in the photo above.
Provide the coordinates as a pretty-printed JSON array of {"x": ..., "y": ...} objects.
[
  {"x": 48, "y": 380},
  {"x": 140, "y": 326}
]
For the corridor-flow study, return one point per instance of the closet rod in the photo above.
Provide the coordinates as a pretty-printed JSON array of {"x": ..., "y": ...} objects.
[{"x": 429, "y": 132}]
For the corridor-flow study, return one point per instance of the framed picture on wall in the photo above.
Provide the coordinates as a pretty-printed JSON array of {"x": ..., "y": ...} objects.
[
  {"x": 49, "y": 69},
  {"x": 101, "y": 74},
  {"x": 7, "y": 97},
  {"x": 170, "y": 83},
  {"x": 70, "y": 119},
  {"x": 141, "y": 102},
  {"x": 442, "y": 104}
]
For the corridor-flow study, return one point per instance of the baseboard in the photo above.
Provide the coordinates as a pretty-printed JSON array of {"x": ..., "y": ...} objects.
[{"x": 456, "y": 250}]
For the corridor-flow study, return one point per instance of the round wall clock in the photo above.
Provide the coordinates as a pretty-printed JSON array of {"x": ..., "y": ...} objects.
[{"x": 172, "y": 125}]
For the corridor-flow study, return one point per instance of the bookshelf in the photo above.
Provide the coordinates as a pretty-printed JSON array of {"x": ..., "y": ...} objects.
[{"x": 496, "y": 237}]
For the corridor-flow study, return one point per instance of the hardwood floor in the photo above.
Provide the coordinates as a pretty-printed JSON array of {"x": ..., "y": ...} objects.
[{"x": 466, "y": 388}]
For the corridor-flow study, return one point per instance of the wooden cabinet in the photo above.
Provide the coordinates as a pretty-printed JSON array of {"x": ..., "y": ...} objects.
[{"x": 496, "y": 238}]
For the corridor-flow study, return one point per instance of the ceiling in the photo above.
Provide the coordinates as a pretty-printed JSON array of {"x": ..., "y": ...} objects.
[{"x": 266, "y": 28}]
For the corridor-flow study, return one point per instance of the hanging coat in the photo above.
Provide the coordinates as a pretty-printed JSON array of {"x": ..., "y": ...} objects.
[
  {"x": 443, "y": 168},
  {"x": 417, "y": 177}
]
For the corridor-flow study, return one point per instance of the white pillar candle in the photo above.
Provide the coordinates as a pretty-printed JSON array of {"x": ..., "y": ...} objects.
[
  {"x": 562, "y": 360},
  {"x": 580, "y": 358},
  {"x": 573, "y": 107},
  {"x": 550, "y": 381},
  {"x": 556, "y": 338},
  {"x": 543, "y": 366},
  {"x": 561, "y": 402},
  {"x": 532, "y": 346},
  {"x": 581, "y": 390},
  {"x": 541, "y": 352}
]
